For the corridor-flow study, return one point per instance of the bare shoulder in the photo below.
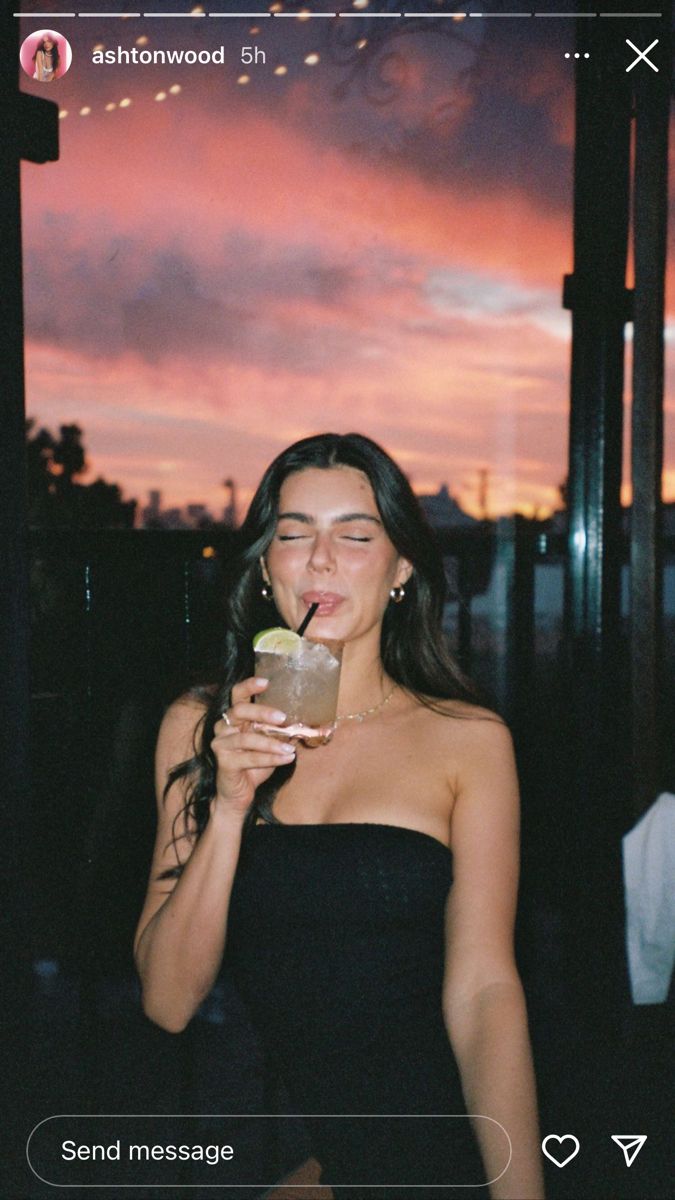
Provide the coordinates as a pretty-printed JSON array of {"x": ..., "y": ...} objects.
[
  {"x": 178, "y": 731},
  {"x": 461, "y": 723},
  {"x": 184, "y": 712},
  {"x": 456, "y": 738}
]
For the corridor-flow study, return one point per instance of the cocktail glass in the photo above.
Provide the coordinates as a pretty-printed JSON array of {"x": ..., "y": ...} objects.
[{"x": 304, "y": 685}]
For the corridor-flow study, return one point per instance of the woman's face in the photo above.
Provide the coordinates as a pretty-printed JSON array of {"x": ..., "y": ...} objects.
[
  {"x": 47, "y": 44},
  {"x": 330, "y": 546}
]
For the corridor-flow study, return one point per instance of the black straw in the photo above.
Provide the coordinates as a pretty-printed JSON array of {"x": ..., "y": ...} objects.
[{"x": 307, "y": 618}]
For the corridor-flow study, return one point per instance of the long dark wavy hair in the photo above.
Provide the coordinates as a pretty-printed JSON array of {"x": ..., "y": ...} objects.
[
  {"x": 56, "y": 59},
  {"x": 413, "y": 647}
]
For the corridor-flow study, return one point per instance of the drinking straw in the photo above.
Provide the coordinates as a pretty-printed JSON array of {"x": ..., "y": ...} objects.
[{"x": 307, "y": 618}]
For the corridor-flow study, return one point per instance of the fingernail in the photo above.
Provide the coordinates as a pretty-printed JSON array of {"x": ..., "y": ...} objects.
[
  {"x": 259, "y": 679},
  {"x": 278, "y": 716},
  {"x": 288, "y": 750}
]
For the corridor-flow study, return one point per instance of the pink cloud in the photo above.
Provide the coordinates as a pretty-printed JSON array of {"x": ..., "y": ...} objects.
[{"x": 202, "y": 290}]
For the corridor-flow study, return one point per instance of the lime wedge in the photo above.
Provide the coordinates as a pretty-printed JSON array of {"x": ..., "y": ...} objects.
[{"x": 277, "y": 641}]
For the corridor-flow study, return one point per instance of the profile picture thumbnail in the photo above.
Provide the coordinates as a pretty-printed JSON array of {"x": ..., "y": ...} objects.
[{"x": 45, "y": 55}]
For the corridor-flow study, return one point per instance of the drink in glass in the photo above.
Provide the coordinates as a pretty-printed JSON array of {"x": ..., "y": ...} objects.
[{"x": 304, "y": 678}]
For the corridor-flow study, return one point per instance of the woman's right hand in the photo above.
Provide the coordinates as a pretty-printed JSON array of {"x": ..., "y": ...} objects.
[{"x": 246, "y": 758}]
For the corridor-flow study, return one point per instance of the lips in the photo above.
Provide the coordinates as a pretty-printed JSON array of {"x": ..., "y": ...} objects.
[{"x": 327, "y": 601}]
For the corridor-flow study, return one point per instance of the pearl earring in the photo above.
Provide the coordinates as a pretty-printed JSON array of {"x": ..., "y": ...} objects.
[{"x": 397, "y": 593}]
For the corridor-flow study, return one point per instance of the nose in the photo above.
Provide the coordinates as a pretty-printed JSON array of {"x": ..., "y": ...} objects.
[{"x": 322, "y": 558}]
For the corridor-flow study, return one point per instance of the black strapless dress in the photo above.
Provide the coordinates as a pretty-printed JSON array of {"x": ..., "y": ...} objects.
[{"x": 336, "y": 944}]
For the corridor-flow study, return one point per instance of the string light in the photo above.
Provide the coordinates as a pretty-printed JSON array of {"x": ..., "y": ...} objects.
[
  {"x": 125, "y": 103},
  {"x": 304, "y": 14},
  {"x": 310, "y": 60},
  {"x": 360, "y": 3},
  {"x": 362, "y": 43}
]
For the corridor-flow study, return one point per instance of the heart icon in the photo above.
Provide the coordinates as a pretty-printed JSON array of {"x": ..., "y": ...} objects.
[{"x": 565, "y": 1137}]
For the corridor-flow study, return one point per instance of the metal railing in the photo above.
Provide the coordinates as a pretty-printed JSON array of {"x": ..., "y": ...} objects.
[{"x": 111, "y": 604}]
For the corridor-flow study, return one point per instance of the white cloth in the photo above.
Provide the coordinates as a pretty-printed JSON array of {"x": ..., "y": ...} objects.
[{"x": 649, "y": 886}]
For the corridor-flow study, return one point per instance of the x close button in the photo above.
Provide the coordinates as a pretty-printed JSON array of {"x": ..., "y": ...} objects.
[{"x": 642, "y": 55}]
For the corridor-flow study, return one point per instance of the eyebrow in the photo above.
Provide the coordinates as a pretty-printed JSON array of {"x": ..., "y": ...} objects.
[{"x": 305, "y": 519}]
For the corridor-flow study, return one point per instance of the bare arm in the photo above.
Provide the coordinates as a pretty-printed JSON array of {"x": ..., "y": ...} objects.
[
  {"x": 180, "y": 938},
  {"x": 483, "y": 1001}
]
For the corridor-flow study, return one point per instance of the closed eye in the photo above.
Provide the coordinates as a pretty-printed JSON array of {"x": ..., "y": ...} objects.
[{"x": 294, "y": 537}]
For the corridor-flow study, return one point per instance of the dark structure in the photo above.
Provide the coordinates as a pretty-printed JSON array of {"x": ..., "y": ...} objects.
[
  {"x": 30, "y": 132},
  {"x": 611, "y": 707}
]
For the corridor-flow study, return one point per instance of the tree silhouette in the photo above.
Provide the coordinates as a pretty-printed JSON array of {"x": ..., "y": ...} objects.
[
  {"x": 68, "y": 459},
  {"x": 55, "y": 499}
]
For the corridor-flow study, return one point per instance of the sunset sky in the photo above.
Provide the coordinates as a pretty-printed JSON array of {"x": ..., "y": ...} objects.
[{"x": 362, "y": 242}]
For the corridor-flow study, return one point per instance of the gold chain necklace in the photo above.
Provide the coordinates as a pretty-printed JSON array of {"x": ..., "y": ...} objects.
[{"x": 366, "y": 712}]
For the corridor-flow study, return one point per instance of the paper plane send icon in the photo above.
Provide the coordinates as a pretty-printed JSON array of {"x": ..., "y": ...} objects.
[{"x": 631, "y": 1144}]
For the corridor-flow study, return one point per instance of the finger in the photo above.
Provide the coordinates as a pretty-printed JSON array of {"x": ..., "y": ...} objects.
[
  {"x": 247, "y": 688},
  {"x": 259, "y": 762},
  {"x": 234, "y": 739},
  {"x": 263, "y": 743},
  {"x": 223, "y": 728},
  {"x": 256, "y": 712},
  {"x": 250, "y": 760}
]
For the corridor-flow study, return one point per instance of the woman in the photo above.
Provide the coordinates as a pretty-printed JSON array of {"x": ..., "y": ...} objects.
[
  {"x": 46, "y": 59},
  {"x": 324, "y": 873}
]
